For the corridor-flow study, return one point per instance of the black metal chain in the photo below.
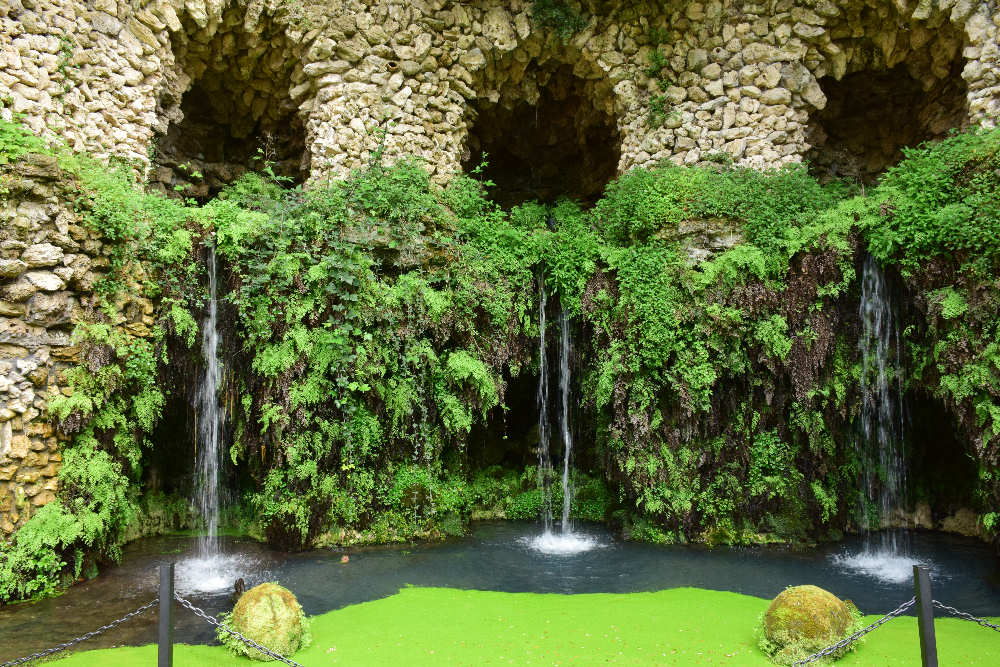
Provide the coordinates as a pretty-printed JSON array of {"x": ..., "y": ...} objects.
[
  {"x": 81, "y": 638},
  {"x": 969, "y": 617},
  {"x": 857, "y": 635},
  {"x": 249, "y": 642}
]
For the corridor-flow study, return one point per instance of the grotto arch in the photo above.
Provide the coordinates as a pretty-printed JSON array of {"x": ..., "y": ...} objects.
[
  {"x": 896, "y": 81},
  {"x": 547, "y": 124},
  {"x": 227, "y": 107}
]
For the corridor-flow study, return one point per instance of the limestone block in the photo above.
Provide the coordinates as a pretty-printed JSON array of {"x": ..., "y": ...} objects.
[
  {"x": 42, "y": 255},
  {"x": 43, "y": 498},
  {"x": 6, "y": 438},
  {"x": 51, "y": 309},
  {"x": 776, "y": 96},
  {"x": 497, "y": 27},
  {"x": 105, "y": 23},
  {"x": 20, "y": 445},
  {"x": 18, "y": 291},
  {"x": 11, "y": 268},
  {"x": 45, "y": 280}
]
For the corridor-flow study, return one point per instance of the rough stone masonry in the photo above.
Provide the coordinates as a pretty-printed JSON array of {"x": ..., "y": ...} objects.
[{"x": 184, "y": 87}]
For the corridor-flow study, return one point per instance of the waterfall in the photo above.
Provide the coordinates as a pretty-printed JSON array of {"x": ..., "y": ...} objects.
[
  {"x": 879, "y": 443},
  {"x": 210, "y": 570},
  {"x": 564, "y": 421},
  {"x": 881, "y": 432},
  {"x": 565, "y": 541},
  {"x": 210, "y": 421},
  {"x": 544, "y": 426}
]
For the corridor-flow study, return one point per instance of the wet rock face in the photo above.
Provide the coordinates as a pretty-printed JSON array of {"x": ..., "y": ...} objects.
[{"x": 205, "y": 84}]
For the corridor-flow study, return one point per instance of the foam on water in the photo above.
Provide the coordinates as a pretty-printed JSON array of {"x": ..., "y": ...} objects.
[
  {"x": 884, "y": 566},
  {"x": 216, "y": 573},
  {"x": 562, "y": 543}
]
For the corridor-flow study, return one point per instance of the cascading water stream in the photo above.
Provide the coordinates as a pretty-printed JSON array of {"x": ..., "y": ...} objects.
[
  {"x": 564, "y": 421},
  {"x": 210, "y": 422},
  {"x": 210, "y": 570},
  {"x": 565, "y": 541},
  {"x": 881, "y": 412},
  {"x": 544, "y": 426},
  {"x": 880, "y": 440}
]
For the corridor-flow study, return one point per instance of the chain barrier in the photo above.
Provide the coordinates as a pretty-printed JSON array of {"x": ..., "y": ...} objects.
[
  {"x": 249, "y": 642},
  {"x": 82, "y": 638},
  {"x": 969, "y": 617},
  {"x": 857, "y": 635}
]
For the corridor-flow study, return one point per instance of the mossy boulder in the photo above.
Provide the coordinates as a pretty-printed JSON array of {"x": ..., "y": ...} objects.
[
  {"x": 270, "y": 615},
  {"x": 803, "y": 620}
]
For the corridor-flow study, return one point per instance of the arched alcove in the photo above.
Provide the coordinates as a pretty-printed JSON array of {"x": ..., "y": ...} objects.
[
  {"x": 892, "y": 82},
  {"x": 871, "y": 116},
  {"x": 548, "y": 129},
  {"x": 227, "y": 108}
]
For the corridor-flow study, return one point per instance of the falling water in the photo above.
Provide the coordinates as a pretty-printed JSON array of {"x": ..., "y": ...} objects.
[
  {"x": 544, "y": 426},
  {"x": 881, "y": 411},
  {"x": 210, "y": 416},
  {"x": 210, "y": 570},
  {"x": 564, "y": 422},
  {"x": 880, "y": 445},
  {"x": 565, "y": 541}
]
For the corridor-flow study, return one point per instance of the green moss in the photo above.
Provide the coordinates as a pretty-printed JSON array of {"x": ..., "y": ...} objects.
[
  {"x": 270, "y": 615},
  {"x": 803, "y": 620}
]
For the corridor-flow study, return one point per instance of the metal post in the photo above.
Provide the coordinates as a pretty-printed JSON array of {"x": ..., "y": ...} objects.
[
  {"x": 166, "y": 636},
  {"x": 925, "y": 616}
]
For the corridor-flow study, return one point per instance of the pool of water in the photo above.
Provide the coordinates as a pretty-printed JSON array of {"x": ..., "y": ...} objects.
[{"x": 496, "y": 557}]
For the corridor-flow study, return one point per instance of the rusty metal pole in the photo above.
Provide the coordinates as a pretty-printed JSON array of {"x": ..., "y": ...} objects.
[{"x": 925, "y": 616}]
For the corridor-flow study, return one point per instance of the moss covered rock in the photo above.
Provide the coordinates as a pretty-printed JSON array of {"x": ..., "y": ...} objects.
[
  {"x": 270, "y": 615},
  {"x": 803, "y": 620}
]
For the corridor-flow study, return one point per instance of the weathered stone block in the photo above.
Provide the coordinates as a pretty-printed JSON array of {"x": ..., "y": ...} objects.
[
  {"x": 45, "y": 280},
  {"x": 11, "y": 268},
  {"x": 42, "y": 255}
]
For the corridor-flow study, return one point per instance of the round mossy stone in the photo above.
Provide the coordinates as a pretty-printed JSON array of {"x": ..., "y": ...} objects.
[
  {"x": 803, "y": 619},
  {"x": 270, "y": 615}
]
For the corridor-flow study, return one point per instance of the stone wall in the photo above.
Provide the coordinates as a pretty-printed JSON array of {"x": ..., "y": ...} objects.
[
  {"x": 306, "y": 82},
  {"x": 193, "y": 92},
  {"x": 48, "y": 265}
]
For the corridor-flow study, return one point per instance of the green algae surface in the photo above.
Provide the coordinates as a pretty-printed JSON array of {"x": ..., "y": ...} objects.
[{"x": 681, "y": 626}]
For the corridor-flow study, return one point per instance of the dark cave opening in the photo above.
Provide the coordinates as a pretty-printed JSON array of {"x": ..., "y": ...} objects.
[
  {"x": 871, "y": 116},
  {"x": 509, "y": 439},
  {"x": 561, "y": 144},
  {"x": 943, "y": 472},
  {"x": 227, "y": 107},
  {"x": 217, "y": 142}
]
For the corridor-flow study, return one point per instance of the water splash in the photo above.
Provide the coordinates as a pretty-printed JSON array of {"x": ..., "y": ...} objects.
[
  {"x": 881, "y": 565},
  {"x": 210, "y": 422},
  {"x": 215, "y": 573},
  {"x": 562, "y": 543}
]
